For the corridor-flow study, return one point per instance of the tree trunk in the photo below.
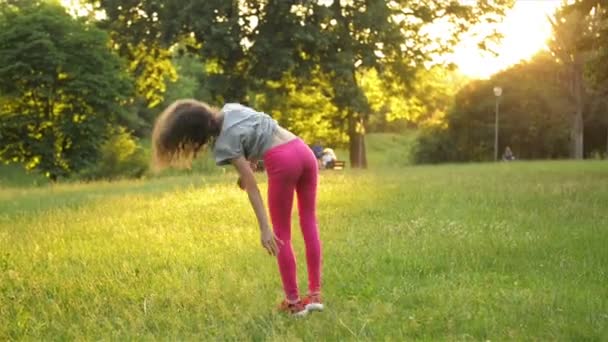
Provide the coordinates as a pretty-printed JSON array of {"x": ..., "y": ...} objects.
[
  {"x": 362, "y": 151},
  {"x": 356, "y": 135},
  {"x": 349, "y": 96},
  {"x": 576, "y": 133}
]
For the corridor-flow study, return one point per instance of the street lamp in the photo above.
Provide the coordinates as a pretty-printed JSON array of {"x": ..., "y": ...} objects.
[{"x": 497, "y": 93}]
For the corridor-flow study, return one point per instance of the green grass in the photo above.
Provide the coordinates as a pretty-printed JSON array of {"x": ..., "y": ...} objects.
[
  {"x": 389, "y": 149},
  {"x": 16, "y": 176},
  {"x": 385, "y": 150},
  {"x": 456, "y": 252}
]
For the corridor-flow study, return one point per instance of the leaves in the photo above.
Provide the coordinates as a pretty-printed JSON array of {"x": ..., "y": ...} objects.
[
  {"x": 61, "y": 86},
  {"x": 252, "y": 42},
  {"x": 534, "y": 111}
]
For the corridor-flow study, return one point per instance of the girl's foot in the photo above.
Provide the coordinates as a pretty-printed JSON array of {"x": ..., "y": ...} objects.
[
  {"x": 313, "y": 303},
  {"x": 297, "y": 309}
]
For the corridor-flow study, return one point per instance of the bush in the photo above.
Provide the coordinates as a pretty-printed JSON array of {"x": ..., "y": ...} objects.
[
  {"x": 432, "y": 146},
  {"x": 14, "y": 175},
  {"x": 121, "y": 157},
  {"x": 598, "y": 155}
]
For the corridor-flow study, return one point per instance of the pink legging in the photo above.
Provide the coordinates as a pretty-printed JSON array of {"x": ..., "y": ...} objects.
[{"x": 293, "y": 166}]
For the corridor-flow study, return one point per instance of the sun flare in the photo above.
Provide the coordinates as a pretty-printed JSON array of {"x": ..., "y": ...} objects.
[{"x": 526, "y": 31}]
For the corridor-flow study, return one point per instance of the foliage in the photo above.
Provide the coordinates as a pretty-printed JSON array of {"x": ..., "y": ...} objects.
[
  {"x": 580, "y": 43},
  {"x": 135, "y": 35},
  {"x": 121, "y": 156},
  {"x": 549, "y": 104},
  {"x": 597, "y": 63},
  {"x": 305, "y": 109},
  {"x": 596, "y": 125},
  {"x": 17, "y": 176},
  {"x": 570, "y": 29},
  {"x": 426, "y": 101},
  {"x": 248, "y": 43},
  {"x": 188, "y": 81},
  {"x": 597, "y": 42},
  {"x": 434, "y": 145},
  {"x": 59, "y": 88},
  {"x": 152, "y": 69},
  {"x": 534, "y": 111},
  {"x": 343, "y": 37},
  {"x": 191, "y": 80}
]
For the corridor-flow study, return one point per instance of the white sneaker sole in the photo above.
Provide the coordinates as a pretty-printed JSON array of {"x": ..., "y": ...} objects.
[
  {"x": 302, "y": 313},
  {"x": 314, "y": 307}
]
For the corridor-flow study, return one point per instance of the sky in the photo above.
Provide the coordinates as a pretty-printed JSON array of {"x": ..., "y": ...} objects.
[{"x": 526, "y": 31}]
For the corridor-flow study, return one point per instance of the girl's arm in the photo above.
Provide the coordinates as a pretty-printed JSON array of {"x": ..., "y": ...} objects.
[
  {"x": 253, "y": 163},
  {"x": 249, "y": 184}
]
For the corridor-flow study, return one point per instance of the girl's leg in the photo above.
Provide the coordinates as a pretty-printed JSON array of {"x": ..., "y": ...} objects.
[
  {"x": 281, "y": 185},
  {"x": 306, "y": 189}
]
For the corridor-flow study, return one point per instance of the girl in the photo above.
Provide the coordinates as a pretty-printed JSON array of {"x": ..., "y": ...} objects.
[{"x": 240, "y": 136}]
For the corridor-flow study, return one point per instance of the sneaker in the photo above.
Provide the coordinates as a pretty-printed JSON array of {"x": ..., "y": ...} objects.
[
  {"x": 313, "y": 303},
  {"x": 298, "y": 309}
]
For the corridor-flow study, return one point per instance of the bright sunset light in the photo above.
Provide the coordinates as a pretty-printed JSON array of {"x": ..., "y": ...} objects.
[
  {"x": 303, "y": 170},
  {"x": 525, "y": 29}
]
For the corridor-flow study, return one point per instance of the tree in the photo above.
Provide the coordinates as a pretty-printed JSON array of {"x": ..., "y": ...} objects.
[
  {"x": 60, "y": 87},
  {"x": 568, "y": 28},
  {"x": 597, "y": 43},
  {"x": 597, "y": 70},
  {"x": 577, "y": 43},
  {"x": 247, "y": 43},
  {"x": 191, "y": 79},
  {"x": 395, "y": 107},
  {"x": 347, "y": 38},
  {"x": 534, "y": 112},
  {"x": 305, "y": 109}
]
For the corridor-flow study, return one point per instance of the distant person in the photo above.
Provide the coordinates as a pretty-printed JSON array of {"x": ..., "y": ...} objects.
[
  {"x": 238, "y": 135},
  {"x": 317, "y": 149},
  {"x": 508, "y": 155},
  {"x": 328, "y": 158}
]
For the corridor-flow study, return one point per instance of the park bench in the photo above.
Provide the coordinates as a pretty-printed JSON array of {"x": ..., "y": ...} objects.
[{"x": 337, "y": 165}]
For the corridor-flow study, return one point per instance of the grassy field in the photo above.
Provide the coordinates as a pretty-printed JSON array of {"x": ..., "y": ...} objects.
[
  {"x": 456, "y": 252},
  {"x": 385, "y": 150}
]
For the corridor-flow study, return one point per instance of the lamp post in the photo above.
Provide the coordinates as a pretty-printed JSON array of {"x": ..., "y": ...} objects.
[{"x": 497, "y": 93}]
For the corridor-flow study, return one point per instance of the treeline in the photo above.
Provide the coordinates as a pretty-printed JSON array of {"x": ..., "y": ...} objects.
[
  {"x": 79, "y": 94},
  {"x": 75, "y": 91},
  {"x": 553, "y": 106}
]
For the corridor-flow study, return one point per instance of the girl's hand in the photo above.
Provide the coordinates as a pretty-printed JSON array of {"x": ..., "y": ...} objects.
[
  {"x": 269, "y": 241},
  {"x": 239, "y": 182},
  {"x": 253, "y": 164}
]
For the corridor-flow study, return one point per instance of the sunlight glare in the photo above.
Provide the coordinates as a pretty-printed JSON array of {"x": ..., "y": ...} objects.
[{"x": 526, "y": 31}]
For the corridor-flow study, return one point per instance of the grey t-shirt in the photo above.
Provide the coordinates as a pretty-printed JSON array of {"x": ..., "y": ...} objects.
[{"x": 245, "y": 132}]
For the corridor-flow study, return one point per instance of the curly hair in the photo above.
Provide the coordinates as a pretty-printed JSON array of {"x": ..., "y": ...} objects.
[{"x": 181, "y": 130}]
